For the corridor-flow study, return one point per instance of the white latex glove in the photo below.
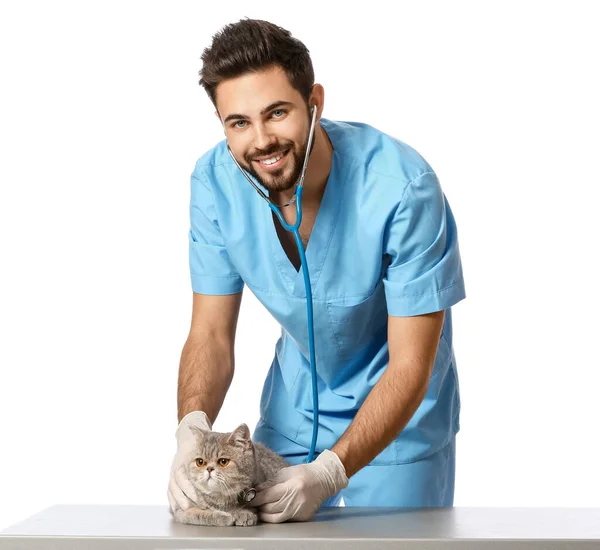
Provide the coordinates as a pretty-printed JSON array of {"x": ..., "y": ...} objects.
[
  {"x": 181, "y": 492},
  {"x": 297, "y": 492}
]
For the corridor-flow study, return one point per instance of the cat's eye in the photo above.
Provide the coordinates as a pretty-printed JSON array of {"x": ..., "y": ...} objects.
[
  {"x": 199, "y": 462},
  {"x": 223, "y": 462}
]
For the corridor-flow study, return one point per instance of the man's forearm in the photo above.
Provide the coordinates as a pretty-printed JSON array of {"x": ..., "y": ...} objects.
[
  {"x": 205, "y": 374},
  {"x": 385, "y": 412}
]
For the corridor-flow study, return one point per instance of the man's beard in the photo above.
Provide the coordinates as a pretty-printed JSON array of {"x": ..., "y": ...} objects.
[{"x": 276, "y": 181}]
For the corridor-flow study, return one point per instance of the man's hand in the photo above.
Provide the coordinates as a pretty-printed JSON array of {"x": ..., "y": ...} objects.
[
  {"x": 181, "y": 492},
  {"x": 297, "y": 492}
]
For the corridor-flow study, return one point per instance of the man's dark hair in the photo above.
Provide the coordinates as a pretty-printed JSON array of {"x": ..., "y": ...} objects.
[{"x": 251, "y": 45}]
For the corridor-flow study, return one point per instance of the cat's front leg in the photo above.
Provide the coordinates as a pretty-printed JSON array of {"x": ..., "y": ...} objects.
[
  {"x": 203, "y": 516},
  {"x": 245, "y": 517}
]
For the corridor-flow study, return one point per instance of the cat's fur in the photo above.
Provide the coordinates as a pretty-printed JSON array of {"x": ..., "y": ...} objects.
[{"x": 217, "y": 494}]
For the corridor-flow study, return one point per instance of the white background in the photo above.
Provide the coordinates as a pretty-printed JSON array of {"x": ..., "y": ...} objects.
[{"x": 101, "y": 123}]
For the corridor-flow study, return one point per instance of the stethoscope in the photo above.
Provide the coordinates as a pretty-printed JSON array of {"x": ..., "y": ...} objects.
[{"x": 294, "y": 229}]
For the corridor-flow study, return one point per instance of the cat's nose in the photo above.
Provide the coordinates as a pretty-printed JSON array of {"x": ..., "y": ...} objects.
[{"x": 209, "y": 469}]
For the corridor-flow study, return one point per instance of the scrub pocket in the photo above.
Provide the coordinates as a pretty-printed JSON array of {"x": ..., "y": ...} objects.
[{"x": 355, "y": 325}]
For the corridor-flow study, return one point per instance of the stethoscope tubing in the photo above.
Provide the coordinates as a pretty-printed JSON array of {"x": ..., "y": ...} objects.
[{"x": 294, "y": 229}]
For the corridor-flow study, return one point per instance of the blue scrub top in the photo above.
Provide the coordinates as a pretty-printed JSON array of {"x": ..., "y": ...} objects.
[{"x": 384, "y": 242}]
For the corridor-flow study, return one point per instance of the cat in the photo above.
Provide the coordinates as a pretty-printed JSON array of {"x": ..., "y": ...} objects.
[{"x": 221, "y": 466}]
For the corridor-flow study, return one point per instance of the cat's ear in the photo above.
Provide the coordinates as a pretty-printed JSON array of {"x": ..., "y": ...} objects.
[
  {"x": 194, "y": 430},
  {"x": 240, "y": 437}
]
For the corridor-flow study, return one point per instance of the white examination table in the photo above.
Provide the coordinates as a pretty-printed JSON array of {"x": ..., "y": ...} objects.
[{"x": 96, "y": 527}]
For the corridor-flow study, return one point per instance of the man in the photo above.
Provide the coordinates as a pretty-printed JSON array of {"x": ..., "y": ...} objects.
[{"x": 385, "y": 268}]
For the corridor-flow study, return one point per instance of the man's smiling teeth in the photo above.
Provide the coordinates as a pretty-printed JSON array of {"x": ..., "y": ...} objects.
[{"x": 272, "y": 160}]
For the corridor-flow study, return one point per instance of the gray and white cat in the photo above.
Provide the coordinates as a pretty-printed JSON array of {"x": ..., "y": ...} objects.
[{"x": 221, "y": 466}]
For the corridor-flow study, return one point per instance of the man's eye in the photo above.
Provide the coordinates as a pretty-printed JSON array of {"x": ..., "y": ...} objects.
[
  {"x": 280, "y": 111},
  {"x": 236, "y": 125}
]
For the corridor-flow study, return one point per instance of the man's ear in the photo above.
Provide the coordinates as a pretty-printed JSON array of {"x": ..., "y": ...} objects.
[{"x": 317, "y": 97}]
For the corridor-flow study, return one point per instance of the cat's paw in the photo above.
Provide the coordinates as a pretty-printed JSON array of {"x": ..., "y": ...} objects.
[
  {"x": 222, "y": 519},
  {"x": 201, "y": 516},
  {"x": 245, "y": 517}
]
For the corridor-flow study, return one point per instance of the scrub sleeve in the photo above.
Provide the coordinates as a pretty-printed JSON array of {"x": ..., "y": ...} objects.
[
  {"x": 425, "y": 271},
  {"x": 211, "y": 269}
]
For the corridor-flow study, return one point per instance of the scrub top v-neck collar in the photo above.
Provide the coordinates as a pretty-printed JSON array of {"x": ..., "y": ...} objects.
[{"x": 320, "y": 236}]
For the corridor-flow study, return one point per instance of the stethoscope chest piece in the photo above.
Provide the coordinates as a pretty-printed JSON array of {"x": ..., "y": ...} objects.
[{"x": 248, "y": 495}]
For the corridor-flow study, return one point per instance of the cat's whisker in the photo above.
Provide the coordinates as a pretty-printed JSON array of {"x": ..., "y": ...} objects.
[{"x": 227, "y": 485}]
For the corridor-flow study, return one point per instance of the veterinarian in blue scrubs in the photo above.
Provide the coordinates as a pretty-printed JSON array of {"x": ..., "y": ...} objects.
[{"x": 383, "y": 254}]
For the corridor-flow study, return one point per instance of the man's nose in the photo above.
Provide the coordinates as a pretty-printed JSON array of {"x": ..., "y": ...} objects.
[{"x": 263, "y": 139}]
